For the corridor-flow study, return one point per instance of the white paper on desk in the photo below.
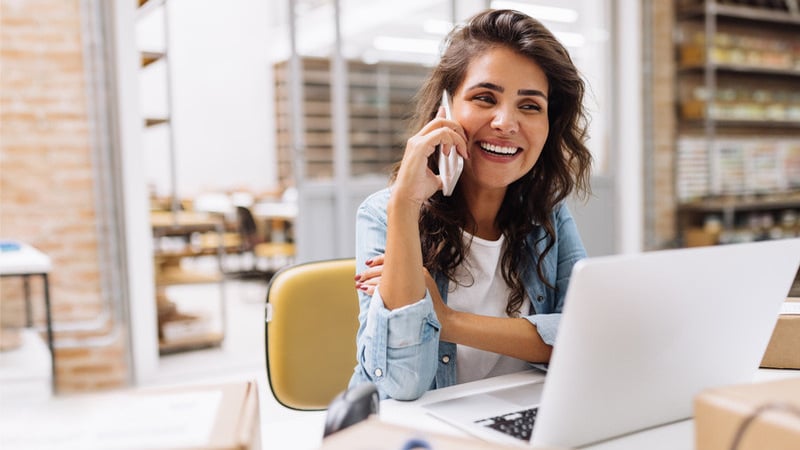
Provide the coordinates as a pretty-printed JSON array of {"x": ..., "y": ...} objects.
[
  {"x": 116, "y": 422},
  {"x": 790, "y": 308},
  {"x": 158, "y": 421}
]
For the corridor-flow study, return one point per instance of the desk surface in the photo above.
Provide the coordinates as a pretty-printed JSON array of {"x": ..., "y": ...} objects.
[
  {"x": 675, "y": 436},
  {"x": 19, "y": 258},
  {"x": 167, "y": 222}
]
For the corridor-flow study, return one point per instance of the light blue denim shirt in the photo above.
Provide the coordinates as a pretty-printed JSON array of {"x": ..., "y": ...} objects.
[{"x": 400, "y": 350}]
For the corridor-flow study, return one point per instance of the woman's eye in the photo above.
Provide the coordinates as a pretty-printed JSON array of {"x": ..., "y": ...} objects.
[
  {"x": 484, "y": 99},
  {"x": 531, "y": 107}
]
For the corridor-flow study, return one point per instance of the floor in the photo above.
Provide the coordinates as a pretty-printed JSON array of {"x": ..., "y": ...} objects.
[{"x": 241, "y": 357}]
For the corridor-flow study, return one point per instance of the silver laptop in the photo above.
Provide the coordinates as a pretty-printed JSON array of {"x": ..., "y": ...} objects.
[{"x": 640, "y": 336}]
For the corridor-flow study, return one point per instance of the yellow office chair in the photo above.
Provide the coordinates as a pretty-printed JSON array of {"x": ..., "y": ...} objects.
[{"x": 311, "y": 325}]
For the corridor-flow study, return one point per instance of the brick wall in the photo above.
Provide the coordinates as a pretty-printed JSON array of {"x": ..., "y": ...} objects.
[
  {"x": 47, "y": 187},
  {"x": 661, "y": 214}
]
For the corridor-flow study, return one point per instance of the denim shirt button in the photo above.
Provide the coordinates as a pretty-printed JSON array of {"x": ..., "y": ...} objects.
[
  {"x": 446, "y": 359},
  {"x": 378, "y": 372},
  {"x": 540, "y": 298}
]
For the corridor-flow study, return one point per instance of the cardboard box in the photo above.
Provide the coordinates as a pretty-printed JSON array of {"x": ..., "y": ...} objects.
[
  {"x": 237, "y": 424},
  {"x": 764, "y": 415},
  {"x": 373, "y": 434},
  {"x": 783, "y": 350}
]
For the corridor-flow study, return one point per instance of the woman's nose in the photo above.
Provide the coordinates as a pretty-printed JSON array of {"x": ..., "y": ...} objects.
[{"x": 505, "y": 120}]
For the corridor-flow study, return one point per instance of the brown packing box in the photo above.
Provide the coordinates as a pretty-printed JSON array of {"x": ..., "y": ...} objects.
[
  {"x": 783, "y": 350},
  {"x": 372, "y": 434},
  {"x": 237, "y": 425},
  {"x": 720, "y": 413}
]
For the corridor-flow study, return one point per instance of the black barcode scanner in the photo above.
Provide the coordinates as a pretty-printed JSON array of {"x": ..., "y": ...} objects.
[{"x": 351, "y": 406}]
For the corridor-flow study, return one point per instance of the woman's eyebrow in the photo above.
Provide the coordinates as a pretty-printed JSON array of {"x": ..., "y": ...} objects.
[
  {"x": 487, "y": 85},
  {"x": 497, "y": 88},
  {"x": 534, "y": 92}
]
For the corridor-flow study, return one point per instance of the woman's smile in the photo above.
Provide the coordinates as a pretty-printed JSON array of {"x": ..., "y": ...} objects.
[{"x": 499, "y": 149}]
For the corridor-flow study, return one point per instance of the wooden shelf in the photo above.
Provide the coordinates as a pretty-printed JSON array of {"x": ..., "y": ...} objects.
[
  {"x": 178, "y": 277},
  {"x": 145, "y": 6},
  {"x": 744, "y": 203},
  {"x": 148, "y": 57},
  {"x": 207, "y": 340},
  {"x": 697, "y": 120},
  {"x": 737, "y": 124},
  {"x": 153, "y": 121},
  {"x": 741, "y": 12},
  {"x": 745, "y": 69}
]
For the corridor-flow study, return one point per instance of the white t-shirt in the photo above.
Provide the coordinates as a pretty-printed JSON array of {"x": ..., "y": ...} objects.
[{"x": 481, "y": 290}]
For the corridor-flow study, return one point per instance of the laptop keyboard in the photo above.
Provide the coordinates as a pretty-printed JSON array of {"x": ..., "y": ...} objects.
[{"x": 517, "y": 424}]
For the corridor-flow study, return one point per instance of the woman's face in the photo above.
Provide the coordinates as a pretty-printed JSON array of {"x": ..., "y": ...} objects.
[{"x": 502, "y": 106}]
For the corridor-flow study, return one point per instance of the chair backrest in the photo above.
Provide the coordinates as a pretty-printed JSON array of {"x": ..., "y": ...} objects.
[{"x": 311, "y": 326}]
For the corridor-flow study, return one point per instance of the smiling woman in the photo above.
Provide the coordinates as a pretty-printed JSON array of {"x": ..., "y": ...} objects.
[
  {"x": 504, "y": 116},
  {"x": 462, "y": 287}
]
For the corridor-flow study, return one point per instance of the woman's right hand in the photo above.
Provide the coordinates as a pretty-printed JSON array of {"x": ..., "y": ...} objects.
[{"x": 415, "y": 180}]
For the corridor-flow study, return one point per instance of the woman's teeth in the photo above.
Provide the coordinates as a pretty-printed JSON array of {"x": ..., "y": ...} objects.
[{"x": 498, "y": 149}]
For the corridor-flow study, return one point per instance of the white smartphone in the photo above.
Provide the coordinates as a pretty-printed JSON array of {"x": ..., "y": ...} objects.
[{"x": 450, "y": 166}]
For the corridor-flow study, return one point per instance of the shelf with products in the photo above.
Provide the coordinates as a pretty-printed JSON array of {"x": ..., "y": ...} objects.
[
  {"x": 769, "y": 12},
  {"x": 178, "y": 233},
  {"x": 738, "y": 120},
  {"x": 379, "y": 103},
  {"x": 177, "y": 239},
  {"x": 735, "y": 219}
]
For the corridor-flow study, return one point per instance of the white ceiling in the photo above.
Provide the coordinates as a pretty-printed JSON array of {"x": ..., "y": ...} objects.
[{"x": 362, "y": 21}]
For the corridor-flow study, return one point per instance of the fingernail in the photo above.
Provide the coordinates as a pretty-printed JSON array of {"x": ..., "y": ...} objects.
[
  {"x": 357, "y": 277},
  {"x": 368, "y": 262}
]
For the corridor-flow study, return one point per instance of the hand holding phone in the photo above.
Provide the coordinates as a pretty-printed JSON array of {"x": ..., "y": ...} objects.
[{"x": 450, "y": 166}]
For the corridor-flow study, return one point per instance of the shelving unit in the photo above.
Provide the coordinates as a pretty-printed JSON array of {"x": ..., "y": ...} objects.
[
  {"x": 380, "y": 102},
  {"x": 174, "y": 240},
  {"x": 738, "y": 116},
  {"x": 155, "y": 64},
  {"x": 175, "y": 231}
]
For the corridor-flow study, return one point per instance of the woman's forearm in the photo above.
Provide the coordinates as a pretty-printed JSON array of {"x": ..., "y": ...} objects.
[
  {"x": 402, "y": 281},
  {"x": 515, "y": 337}
]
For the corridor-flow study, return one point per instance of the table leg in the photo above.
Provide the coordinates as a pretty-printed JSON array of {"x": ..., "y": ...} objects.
[
  {"x": 49, "y": 319},
  {"x": 26, "y": 289}
]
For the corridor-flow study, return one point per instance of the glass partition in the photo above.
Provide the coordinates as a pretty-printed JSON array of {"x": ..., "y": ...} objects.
[
  {"x": 344, "y": 96},
  {"x": 387, "y": 49}
]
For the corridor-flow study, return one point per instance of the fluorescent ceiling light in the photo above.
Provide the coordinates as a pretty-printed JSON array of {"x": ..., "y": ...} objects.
[
  {"x": 435, "y": 26},
  {"x": 570, "y": 39},
  {"x": 411, "y": 45},
  {"x": 542, "y": 13}
]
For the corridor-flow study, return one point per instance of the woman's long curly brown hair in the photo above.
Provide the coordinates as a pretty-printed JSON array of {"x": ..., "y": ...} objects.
[{"x": 563, "y": 166}]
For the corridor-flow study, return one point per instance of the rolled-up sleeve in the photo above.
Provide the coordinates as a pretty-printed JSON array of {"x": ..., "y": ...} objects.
[
  {"x": 546, "y": 325},
  {"x": 558, "y": 263},
  {"x": 399, "y": 348}
]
